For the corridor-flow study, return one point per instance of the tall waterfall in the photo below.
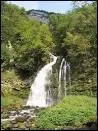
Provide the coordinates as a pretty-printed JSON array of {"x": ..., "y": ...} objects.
[
  {"x": 69, "y": 78},
  {"x": 60, "y": 76},
  {"x": 63, "y": 78},
  {"x": 40, "y": 89},
  {"x": 64, "y": 70}
]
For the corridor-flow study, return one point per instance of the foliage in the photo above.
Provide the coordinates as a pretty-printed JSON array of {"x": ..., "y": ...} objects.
[
  {"x": 13, "y": 91},
  {"x": 73, "y": 111},
  {"x": 31, "y": 45},
  {"x": 74, "y": 34}
]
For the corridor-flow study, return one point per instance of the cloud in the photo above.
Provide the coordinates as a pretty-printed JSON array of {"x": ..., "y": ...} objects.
[{"x": 26, "y": 4}]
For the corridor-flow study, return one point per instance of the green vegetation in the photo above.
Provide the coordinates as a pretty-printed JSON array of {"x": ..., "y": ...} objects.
[
  {"x": 71, "y": 36},
  {"x": 75, "y": 36},
  {"x": 30, "y": 45},
  {"x": 73, "y": 111},
  {"x": 13, "y": 91}
]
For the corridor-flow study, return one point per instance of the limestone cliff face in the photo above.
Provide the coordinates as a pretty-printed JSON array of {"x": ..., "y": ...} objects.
[{"x": 41, "y": 16}]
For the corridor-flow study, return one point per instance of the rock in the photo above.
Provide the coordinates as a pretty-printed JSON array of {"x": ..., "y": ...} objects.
[
  {"x": 32, "y": 118},
  {"x": 26, "y": 117},
  {"x": 20, "y": 119},
  {"x": 28, "y": 120},
  {"x": 5, "y": 115},
  {"x": 25, "y": 112},
  {"x": 13, "y": 122},
  {"x": 33, "y": 125},
  {"x": 17, "y": 112},
  {"x": 26, "y": 107},
  {"x": 27, "y": 125},
  {"x": 15, "y": 125},
  {"x": 13, "y": 112},
  {"x": 36, "y": 110},
  {"x": 15, "y": 129}
]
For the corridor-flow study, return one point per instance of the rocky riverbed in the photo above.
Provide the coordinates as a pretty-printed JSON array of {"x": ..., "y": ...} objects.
[
  {"x": 19, "y": 119},
  {"x": 24, "y": 119}
]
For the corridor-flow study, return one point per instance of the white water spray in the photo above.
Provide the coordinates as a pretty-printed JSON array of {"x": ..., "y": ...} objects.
[
  {"x": 64, "y": 70},
  {"x": 63, "y": 77},
  {"x": 69, "y": 78},
  {"x": 9, "y": 45},
  {"x": 60, "y": 75},
  {"x": 39, "y": 95}
]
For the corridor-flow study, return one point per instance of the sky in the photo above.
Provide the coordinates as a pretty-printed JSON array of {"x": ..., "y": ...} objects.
[{"x": 50, "y": 6}]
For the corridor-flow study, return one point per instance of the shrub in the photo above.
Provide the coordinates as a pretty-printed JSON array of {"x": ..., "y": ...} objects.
[{"x": 72, "y": 111}]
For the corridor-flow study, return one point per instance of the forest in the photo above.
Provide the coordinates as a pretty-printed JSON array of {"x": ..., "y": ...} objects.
[{"x": 25, "y": 47}]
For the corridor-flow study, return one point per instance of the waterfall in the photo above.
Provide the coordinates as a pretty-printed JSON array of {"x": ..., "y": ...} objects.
[
  {"x": 64, "y": 70},
  {"x": 40, "y": 89},
  {"x": 9, "y": 45},
  {"x": 60, "y": 76},
  {"x": 69, "y": 77}
]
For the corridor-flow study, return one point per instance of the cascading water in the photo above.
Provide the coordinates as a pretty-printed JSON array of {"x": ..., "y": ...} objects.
[
  {"x": 64, "y": 70},
  {"x": 40, "y": 89},
  {"x": 63, "y": 78},
  {"x": 69, "y": 75},
  {"x": 9, "y": 45},
  {"x": 60, "y": 76}
]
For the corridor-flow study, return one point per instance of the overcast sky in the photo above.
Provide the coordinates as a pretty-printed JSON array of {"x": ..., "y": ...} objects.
[{"x": 50, "y": 6}]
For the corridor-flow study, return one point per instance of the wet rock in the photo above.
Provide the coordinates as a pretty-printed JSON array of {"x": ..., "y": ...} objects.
[
  {"x": 13, "y": 122},
  {"x": 25, "y": 112},
  {"x": 26, "y": 117},
  {"x": 15, "y": 128},
  {"x": 32, "y": 118},
  {"x": 27, "y": 107},
  {"x": 13, "y": 112},
  {"x": 17, "y": 112},
  {"x": 27, "y": 120},
  {"x": 20, "y": 119},
  {"x": 36, "y": 111},
  {"x": 5, "y": 115},
  {"x": 27, "y": 125},
  {"x": 15, "y": 125}
]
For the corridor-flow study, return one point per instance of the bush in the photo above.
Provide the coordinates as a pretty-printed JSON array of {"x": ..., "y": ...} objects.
[
  {"x": 13, "y": 90},
  {"x": 72, "y": 111}
]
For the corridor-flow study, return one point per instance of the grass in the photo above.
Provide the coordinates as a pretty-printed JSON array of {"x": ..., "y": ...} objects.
[
  {"x": 10, "y": 99},
  {"x": 72, "y": 111}
]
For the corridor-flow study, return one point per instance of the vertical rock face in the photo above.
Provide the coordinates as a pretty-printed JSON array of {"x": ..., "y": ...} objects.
[{"x": 41, "y": 16}]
